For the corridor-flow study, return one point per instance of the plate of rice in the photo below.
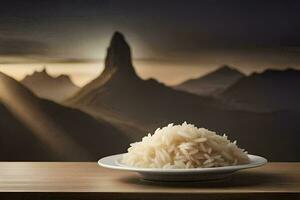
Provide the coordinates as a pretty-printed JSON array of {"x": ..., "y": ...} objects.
[{"x": 183, "y": 153}]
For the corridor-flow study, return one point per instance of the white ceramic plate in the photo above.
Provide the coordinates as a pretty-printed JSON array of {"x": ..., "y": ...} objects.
[{"x": 195, "y": 174}]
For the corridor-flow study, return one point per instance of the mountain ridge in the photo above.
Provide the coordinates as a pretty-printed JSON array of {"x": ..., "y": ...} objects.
[
  {"x": 212, "y": 83},
  {"x": 46, "y": 86},
  {"x": 267, "y": 91}
]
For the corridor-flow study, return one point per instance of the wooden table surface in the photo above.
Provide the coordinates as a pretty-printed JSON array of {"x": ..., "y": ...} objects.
[{"x": 86, "y": 180}]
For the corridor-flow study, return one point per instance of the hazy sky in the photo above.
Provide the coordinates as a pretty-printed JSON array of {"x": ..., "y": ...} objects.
[{"x": 191, "y": 37}]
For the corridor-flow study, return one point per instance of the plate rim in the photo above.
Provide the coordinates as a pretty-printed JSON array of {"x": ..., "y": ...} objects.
[{"x": 116, "y": 165}]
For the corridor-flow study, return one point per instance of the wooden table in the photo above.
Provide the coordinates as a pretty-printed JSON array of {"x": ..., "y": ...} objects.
[{"x": 79, "y": 180}]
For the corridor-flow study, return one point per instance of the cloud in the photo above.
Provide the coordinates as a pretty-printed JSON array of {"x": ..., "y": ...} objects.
[
  {"x": 19, "y": 50},
  {"x": 22, "y": 47},
  {"x": 78, "y": 60}
]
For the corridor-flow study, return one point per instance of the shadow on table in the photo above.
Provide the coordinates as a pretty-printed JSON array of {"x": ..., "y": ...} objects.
[{"x": 236, "y": 180}]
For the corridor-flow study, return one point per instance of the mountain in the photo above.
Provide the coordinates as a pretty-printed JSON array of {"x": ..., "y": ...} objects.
[
  {"x": 212, "y": 83},
  {"x": 34, "y": 129},
  {"x": 119, "y": 94},
  {"x": 139, "y": 106},
  {"x": 267, "y": 91},
  {"x": 53, "y": 88}
]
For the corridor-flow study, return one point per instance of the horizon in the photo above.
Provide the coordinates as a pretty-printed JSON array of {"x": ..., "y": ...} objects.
[{"x": 82, "y": 73}]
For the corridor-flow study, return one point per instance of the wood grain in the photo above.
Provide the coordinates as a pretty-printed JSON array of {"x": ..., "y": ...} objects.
[{"x": 79, "y": 180}]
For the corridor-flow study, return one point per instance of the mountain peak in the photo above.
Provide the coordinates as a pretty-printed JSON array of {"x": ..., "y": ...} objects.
[
  {"x": 39, "y": 74},
  {"x": 49, "y": 87},
  {"x": 212, "y": 83},
  {"x": 44, "y": 70},
  {"x": 118, "y": 56},
  {"x": 272, "y": 74},
  {"x": 63, "y": 77},
  {"x": 228, "y": 69},
  {"x": 118, "y": 68},
  {"x": 225, "y": 67},
  {"x": 118, "y": 36}
]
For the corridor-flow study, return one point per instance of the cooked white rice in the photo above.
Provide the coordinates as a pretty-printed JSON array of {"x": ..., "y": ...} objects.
[{"x": 184, "y": 146}]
